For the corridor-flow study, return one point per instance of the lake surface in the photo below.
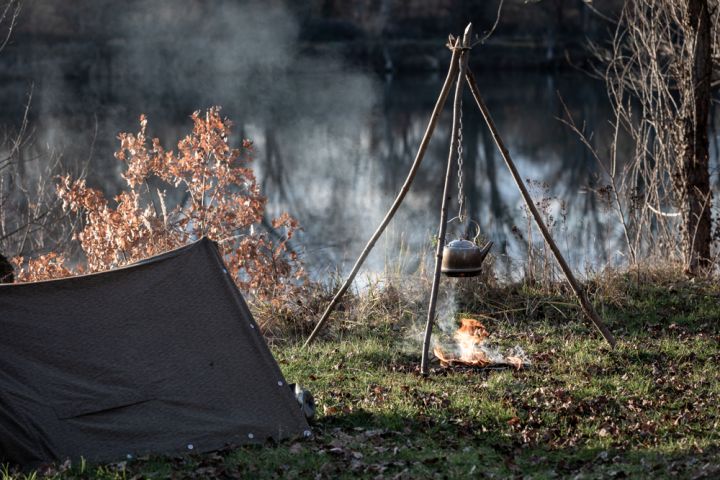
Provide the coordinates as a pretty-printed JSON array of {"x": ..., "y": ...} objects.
[{"x": 334, "y": 144}]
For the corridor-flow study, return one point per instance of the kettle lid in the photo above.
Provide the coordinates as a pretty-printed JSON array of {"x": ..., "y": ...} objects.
[{"x": 462, "y": 244}]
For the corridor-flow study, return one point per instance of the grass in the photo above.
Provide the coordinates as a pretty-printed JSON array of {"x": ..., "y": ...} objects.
[{"x": 648, "y": 409}]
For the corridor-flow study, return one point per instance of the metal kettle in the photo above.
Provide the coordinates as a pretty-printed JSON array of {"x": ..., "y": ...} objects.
[{"x": 463, "y": 258}]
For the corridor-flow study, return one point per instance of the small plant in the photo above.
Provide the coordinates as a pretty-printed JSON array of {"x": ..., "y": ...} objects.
[
  {"x": 540, "y": 267},
  {"x": 214, "y": 195}
]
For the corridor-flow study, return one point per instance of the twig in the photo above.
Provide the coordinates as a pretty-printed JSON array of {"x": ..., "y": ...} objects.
[
  {"x": 11, "y": 11},
  {"x": 662, "y": 214},
  {"x": 611, "y": 172},
  {"x": 492, "y": 29}
]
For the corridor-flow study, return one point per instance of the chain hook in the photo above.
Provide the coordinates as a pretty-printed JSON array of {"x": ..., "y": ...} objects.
[{"x": 461, "y": 191}]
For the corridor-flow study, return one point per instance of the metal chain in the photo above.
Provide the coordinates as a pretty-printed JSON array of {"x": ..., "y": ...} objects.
[{"x": 461, "y": 192}]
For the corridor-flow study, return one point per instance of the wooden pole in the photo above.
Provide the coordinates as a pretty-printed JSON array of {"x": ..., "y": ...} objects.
[
  {"x": 463, "y": 61},
  {"x": 579, "y": 292},
  {"x": 452, "y": 76}
]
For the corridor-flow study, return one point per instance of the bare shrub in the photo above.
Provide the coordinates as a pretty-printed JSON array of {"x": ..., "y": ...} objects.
[
  {"x": 657, "y": 71},
  {"x": 31, "y": 219}
]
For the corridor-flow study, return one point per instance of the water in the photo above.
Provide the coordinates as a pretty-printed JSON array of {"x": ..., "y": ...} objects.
[{"x": 334, "y": 144}]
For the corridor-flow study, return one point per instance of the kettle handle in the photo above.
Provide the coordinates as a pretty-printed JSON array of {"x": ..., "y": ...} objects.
[{"x": 477, "y": 235}]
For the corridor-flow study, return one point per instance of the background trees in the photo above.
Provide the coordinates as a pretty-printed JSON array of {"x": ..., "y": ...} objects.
[{"x": 659, "y": 76}]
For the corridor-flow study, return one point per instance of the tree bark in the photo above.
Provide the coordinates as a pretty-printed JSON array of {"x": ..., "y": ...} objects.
[{"x": 696, "y": 195}]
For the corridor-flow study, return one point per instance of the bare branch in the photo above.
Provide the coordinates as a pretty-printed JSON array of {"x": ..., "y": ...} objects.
[{"x": 8, "y": 18}]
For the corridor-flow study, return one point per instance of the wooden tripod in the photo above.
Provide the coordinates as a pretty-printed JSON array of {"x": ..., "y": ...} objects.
[{"x": 459, "y": 74}]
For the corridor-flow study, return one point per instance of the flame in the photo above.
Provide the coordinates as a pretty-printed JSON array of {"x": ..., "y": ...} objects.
[
  {"x": 471, "y": 349},
  {"x": 468, "y": 338}
]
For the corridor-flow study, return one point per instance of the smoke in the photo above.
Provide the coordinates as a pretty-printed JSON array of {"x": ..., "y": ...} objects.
[
  {"x": 461, "y": 344},
  {"x": 308, "y": 114},
  {"x": 447, "y": 307},
  {"x": 207, "y": 50},
  {"x": 334, "y": 142},
  {"x": 446, "y": 313},
  {"x": 305, "y": 113}
]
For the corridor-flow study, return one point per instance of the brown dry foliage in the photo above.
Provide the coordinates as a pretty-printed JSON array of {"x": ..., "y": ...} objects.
[
  {"x": 45, "y": 267},
  {"x": 217, "y": 197}
]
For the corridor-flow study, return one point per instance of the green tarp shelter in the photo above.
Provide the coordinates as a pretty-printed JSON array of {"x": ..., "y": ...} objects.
[{"x": 160, "y": 357}]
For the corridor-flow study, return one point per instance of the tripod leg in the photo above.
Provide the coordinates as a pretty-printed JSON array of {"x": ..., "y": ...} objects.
[
  {"x": 579, "y": 292},
  {"x": 451, "y": 77},
  {"x": 463, "y": 61}
]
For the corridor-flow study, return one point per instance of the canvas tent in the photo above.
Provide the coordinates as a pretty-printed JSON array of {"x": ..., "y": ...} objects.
[{"x": 158, "y": 357}]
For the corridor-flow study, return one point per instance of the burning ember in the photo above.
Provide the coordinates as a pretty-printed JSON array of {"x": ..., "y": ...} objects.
[{"x": 471, "y": 349}]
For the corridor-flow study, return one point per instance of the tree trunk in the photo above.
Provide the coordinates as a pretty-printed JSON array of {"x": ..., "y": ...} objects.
[{"x": 696, "y": 195}]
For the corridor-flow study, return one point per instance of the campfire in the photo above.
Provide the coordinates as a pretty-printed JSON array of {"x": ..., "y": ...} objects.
[{"x": 471, "y": 349}]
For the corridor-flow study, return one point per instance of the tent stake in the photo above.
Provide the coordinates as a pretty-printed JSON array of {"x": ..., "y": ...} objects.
[
  {"x": 577, "y": 289},
  {"x": 463, "y": 61},
  {"x": 452, "y": 76}
]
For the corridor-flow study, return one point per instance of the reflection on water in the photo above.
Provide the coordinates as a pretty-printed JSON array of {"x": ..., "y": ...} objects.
[{"x": 333, "y": 150}]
